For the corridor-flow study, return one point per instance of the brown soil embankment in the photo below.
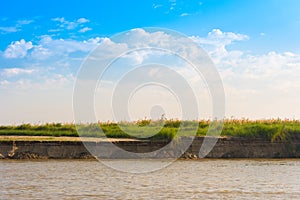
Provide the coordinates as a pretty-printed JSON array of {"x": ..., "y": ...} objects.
[{"x": 66, "y": 148}]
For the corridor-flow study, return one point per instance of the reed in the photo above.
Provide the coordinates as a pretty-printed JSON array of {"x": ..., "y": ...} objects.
[{"x": 272, "y": 129}]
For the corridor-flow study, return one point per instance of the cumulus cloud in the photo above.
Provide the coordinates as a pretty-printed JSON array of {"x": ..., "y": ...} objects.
[
  {"x": 216, "y": 41},
  {"x": 70, "y": 25},
  {"x": 70, "y": 45},
  {"x": 252, "y": 82},
  {"x": 18, "y": 49},
  {"x": 85, "y": 29},
  {"x": 269, "y": 71},
  {"x": 49, "y": 47},
  {"x": 256, "y": 86},
  {"x": 44, "y": 63},
  {"x": 227, "y": 37},
  {"x": 41, "y": 52},
  {"x": 96, "y": 40},
  {"x": 266, "y": 83},
  {"x": 140, "y": 38}
]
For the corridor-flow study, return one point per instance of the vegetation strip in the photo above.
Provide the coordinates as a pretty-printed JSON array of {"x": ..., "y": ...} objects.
[{"x": 273, "y": 130}]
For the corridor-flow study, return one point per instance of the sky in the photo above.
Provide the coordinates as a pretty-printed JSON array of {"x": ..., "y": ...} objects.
[{"x": 254, "y": 45}]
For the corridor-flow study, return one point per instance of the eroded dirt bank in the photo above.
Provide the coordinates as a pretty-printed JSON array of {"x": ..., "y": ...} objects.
[{"x": 224, "y": 148}]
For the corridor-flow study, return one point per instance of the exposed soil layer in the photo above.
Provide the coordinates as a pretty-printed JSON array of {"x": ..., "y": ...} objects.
[{"x": 56, "y": 148}]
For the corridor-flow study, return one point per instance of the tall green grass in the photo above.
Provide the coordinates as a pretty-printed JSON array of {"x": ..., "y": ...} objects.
[{"x": 273, "y": 130}]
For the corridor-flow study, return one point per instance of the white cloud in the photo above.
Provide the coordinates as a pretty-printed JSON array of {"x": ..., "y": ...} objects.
[
  {"x": 54, "y": 30},
  {"x": 11, "y": 29},
  {"x": 140, "y": 38},
  {"x": 49, "y": 60},
  {"x": 59, "y": 19},
  {"x": 16, "y": 71},
  {"x": 155, "y": 6},
  {"x": 40, "y": 52},
  {"x": 44, "y": 80},
  {"x": 82, "y": 20},
  {"x": 178, "y": 7},
  {"x": 184, "y": 14},
  {"x": 227, "y": 37},
  {"x": 112, "y": 49},
  {"x": 95, "y": 40},
  {"x": 256, "y": 86},
  {"x": 61, "y": 80},
  {"x": 61, "y": 45},
  {"x": 70, "y": 25},
  {"x": 18, "y": 49},
  {"x": 4, "y": 83},
  {"x": 24, "y": 22},
  {"x": 48, "y": 47},
  {"x": 136, "y": 57},
  {"x": 252, "y": 82},
  {"x": 17, "y": 27},
  {"x": 172, "y": 4},
  {"x": 216, "y": 41},
  {"x": 268, "y": 71},
  {"x": 85, "y": 29},
  {"x": 262, "y": 34}
]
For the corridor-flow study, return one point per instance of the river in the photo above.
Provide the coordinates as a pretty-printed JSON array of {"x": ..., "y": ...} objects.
[{"x": 183, "y": 179}]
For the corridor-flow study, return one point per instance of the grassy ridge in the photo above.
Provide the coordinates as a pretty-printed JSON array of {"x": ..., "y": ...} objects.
[{"x": 275, "y": 130}]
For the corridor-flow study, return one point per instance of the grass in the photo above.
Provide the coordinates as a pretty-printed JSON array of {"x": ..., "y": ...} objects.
[{"x": 273, "y": 130}]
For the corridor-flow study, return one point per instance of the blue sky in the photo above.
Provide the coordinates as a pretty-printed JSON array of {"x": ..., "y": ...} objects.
[
  {"x": 252, "y": 42},
  {"x": 278, "y": 20}
]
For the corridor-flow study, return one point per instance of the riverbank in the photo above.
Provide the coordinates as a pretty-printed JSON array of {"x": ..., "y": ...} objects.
[{"x": 26, "y": 147}]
